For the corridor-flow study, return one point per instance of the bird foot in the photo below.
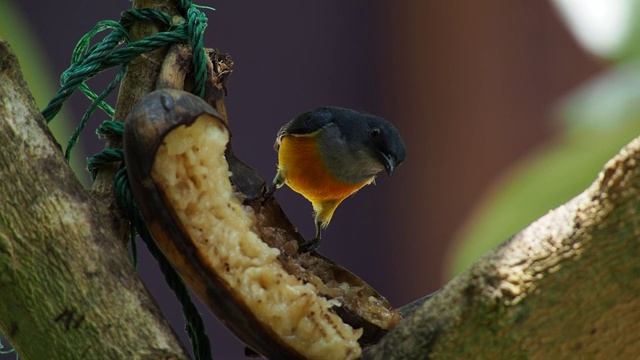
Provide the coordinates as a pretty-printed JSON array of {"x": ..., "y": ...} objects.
[
  {"x": 309, "y": 245},
  {"x": 267, "y": 193}
]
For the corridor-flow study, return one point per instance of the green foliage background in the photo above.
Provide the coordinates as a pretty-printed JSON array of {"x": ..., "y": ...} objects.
[
  {"x": 596, "y": 121},
  {"x": 37, "y": 71}
]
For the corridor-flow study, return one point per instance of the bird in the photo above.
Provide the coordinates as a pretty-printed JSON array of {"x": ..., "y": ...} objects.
[{"x": 329, "y": 153}]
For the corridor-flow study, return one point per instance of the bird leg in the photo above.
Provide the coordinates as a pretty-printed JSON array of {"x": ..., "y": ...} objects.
[
  {"x": 312, "y": 244},
  {"x": 269, "y": 190}
]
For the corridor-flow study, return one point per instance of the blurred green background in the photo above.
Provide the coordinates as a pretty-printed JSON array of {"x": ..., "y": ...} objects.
[
  {"x": 37, "y": 70},
  {"x": 596, "y": 119}
]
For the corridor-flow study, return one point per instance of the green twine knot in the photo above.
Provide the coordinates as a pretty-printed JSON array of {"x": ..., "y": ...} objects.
[
  {"x": 196, "y": 24},
  {"x": 88, "y": 61}
]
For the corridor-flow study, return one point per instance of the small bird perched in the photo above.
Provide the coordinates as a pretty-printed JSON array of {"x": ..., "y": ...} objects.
[{"x": 330, "y": 153}]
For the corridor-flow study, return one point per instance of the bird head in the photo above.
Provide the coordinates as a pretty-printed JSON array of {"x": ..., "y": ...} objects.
[{"x": 374, "y": 135}]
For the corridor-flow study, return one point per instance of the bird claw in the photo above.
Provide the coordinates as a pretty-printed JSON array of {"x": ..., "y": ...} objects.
[
  {"x": 267, "y": 193},
  {"x": 309, "y": 245}
]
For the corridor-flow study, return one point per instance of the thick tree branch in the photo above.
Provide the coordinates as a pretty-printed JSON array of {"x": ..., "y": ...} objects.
[
  {"x": 67, "y": 289},
  {"x": 567, "y": 286}
]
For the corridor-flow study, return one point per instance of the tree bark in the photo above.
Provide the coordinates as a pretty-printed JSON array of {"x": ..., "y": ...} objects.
[
  {"x": 567, "y": 286},
  {"x": 67, "y": 287}
]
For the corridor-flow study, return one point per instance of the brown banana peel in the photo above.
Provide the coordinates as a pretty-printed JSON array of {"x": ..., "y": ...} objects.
[{"x": 236, "y": 251}]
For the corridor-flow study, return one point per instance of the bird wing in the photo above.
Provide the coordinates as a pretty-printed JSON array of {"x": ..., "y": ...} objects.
[{"x": 305, "y": 124}]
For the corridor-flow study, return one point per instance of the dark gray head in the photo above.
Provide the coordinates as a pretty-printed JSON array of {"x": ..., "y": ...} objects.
[
  {"x": 355, "y": 146},
  {"x": 369, "y": 133}
]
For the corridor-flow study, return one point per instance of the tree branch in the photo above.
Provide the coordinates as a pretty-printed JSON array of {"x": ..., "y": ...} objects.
[
  {"x": 66, "y": 288},
  {"x": 567, "y": 286}
]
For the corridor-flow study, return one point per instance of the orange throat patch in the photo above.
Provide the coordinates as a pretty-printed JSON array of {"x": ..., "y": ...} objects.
[{"x": 306, "y": 173}]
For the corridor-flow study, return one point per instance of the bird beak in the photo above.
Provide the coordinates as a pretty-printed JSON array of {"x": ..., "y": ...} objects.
[{"x": 389, "y": 164}]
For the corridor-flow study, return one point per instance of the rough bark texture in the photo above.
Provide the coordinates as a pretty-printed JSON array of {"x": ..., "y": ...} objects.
[
  {"x": 566, "y": 287},
  {"x": 67, "y": 287}
]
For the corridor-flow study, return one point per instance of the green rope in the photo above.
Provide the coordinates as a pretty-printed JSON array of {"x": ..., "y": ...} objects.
[
  {"x": 86, "y": 61},
  {"x": 116, "y": 50},
  {"x": 196, "y": 24},
  {"x": 7, "y": 351},
  {"x": 97, "y": 100},
  {"x": 110, "y": 129},
  {"x": 100, "y": 58},
  {"x": 106, "y": 156},
  {"x": 127, "y": 18}
]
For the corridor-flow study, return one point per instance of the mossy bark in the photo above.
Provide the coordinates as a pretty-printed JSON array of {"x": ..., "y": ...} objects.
[{"x": 67, "y": 287}]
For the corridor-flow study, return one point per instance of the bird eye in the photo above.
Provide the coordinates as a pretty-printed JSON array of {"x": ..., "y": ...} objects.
[{"x": 374, "y": 133}]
